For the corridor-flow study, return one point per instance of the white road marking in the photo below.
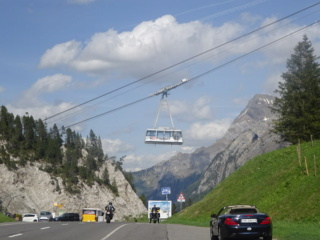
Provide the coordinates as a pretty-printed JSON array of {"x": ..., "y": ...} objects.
[
  {"x": 44, "y": 228},
  {"x": 113, "y": 232},
  {"x": 16, "y": 235}
]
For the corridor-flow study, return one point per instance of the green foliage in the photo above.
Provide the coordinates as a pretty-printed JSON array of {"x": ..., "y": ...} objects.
[
  {"x": 4, "y": 218},
  {"x": 105, "y": 177},
  {"x": 114, "y": 188},
  {"x": 297, "y": 106},
  {"x": 275, "y": 182},
  {"x": 129, "y": 177},
  {"x": 143, "y": 199}
]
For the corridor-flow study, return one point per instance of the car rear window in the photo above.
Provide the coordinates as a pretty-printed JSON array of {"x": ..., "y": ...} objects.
[
  {"x": 45, "y": 213},
  {"x": 243, "y": 211},
  {"x": 29, "y": 215}
]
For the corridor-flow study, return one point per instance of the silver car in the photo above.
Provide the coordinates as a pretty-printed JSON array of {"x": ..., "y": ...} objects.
[{"x": 45, "y": 216}]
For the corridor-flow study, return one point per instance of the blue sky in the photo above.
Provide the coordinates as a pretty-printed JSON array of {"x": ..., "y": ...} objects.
[{"x": 56, "y": 54}]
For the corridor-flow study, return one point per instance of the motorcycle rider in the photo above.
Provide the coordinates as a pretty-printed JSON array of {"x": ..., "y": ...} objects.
[
  {"x": 154, "y": 213},
  {"x": 110, "y": 208}
]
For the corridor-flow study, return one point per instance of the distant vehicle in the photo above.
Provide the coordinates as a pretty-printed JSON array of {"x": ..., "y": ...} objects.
[
  {"x": 240, "y": 221},
  {"x": 155, "y": 215},
  {"x": 68, "y": 217},
  {"x": 29, "y": 217},
  {"x": 92, "y": 214},
  {"x": 45, "y": 216}
]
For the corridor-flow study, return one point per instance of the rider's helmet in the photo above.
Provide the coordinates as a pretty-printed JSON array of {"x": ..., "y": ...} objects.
[{"x": 110, "y": 203}]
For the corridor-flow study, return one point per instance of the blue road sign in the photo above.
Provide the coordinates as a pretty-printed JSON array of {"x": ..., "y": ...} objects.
[{"x": 166, "y": 190}]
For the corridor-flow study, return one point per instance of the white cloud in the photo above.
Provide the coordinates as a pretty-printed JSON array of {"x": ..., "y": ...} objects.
[
  {"x": 153, "y": 45},
  {"x": 30, "y": 100},
  {"x": 133, "y": 162},
  {"x": 199, "y": 110},
  {"x": 50, "y": 84},
  {"x": 42, "y": 86},
  {"x": 272, "y": 83},
  {"x": 148, "y": 47},
  {"x": 115, "y": 147},
  {"x": 60, "y": 54},
  {"x": 41, "y": 111},
  {"x": 208, "y": 131}
]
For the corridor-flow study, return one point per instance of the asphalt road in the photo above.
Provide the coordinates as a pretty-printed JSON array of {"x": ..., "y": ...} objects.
[{"x": 101, "y": 231}]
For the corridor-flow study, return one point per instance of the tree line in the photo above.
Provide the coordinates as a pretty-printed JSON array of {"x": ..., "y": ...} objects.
[{"x": 23, "y": 139}]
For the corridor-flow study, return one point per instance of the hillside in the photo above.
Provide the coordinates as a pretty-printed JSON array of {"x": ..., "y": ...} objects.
[{"x": 274, "y": 182}]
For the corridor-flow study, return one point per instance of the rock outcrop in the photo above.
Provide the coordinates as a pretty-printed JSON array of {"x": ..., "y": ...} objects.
[{"x": 29, "y": 189}]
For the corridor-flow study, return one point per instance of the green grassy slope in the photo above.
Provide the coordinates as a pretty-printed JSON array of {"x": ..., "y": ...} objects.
[
  {"x": 4, "y": 218},
  {"x": 274, "y": 182}
]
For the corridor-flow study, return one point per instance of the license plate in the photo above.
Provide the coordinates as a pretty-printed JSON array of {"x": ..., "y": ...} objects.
[{"x": 249, "y": 220}]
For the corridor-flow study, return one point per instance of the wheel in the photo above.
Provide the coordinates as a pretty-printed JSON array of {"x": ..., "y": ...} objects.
[
  {"x": 108, "y": 219},
  {"x": 220, "y": 237},
  {"x": 213, "y": 237},
  {"x": 267, "y": 238},
  {"x": 154, "y": 220}
]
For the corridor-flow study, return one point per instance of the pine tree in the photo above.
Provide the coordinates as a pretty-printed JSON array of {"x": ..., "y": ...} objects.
[
  {"x": 53, "y": 151},
  {"x": 29, "y": 132},
  {"x": 41, "y": 139},
  {"x": 6, "y": 124},
  {"x": 297, "y": 106}
]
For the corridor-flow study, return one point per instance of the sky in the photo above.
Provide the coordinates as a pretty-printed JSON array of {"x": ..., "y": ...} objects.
[{"x": 98, "y": 57}]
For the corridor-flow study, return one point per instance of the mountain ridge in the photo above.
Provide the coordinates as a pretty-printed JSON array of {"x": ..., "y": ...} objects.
[{"x": 248, "y": 136}]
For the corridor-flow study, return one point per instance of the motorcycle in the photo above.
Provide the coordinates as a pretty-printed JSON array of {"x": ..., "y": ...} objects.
[
  {"x": 109, "y": 216},
  {"x": 155, "y": 216}
]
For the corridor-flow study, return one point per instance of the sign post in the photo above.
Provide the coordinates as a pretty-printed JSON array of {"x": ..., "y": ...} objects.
[
  {"x": 166, "y": 191},
  {"x": 181, "y": 199}
]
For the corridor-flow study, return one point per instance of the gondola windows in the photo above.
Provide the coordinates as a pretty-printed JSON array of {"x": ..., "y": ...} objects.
[
  {"x": 151, "y": 133},
  {"x": 177, "y": 135},
  {"x": 164, "y": 136},
  {"x": 167, "y": 135}
]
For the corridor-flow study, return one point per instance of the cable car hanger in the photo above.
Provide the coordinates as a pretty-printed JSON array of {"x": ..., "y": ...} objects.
[{"x": 164, "y": 135}]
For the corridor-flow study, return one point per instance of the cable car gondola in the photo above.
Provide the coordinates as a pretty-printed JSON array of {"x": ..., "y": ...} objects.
[{"x": 164, "y": 135}]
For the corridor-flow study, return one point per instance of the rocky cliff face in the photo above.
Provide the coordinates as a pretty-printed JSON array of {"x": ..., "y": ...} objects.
[
  {"x": 248, "y": 136},
  {"x": 28, "y": 189},
  {"x": 200, "y": 171}
]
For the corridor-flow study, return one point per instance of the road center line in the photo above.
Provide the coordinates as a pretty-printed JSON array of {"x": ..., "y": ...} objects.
[
  {"x": 113, "y": 232},
  {"x": 16, "y": 235},
  {"x": 44, "y": 228}
]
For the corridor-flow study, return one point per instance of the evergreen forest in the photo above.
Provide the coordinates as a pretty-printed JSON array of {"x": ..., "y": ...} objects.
[{"x": 62, "y": 152}]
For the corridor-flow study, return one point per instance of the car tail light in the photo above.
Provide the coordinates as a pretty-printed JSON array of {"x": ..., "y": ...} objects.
[
  {"x": 229, "y": 221},
  {"x": 267, "y": 220}
]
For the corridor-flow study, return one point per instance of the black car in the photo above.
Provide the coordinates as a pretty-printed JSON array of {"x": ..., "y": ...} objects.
[
  {"x": 240, "y": 221},
  {"x": 68, "y": 217}
]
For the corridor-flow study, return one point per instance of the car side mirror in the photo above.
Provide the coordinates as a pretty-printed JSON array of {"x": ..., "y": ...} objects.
[{"x": 213, "y": 215}]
